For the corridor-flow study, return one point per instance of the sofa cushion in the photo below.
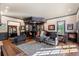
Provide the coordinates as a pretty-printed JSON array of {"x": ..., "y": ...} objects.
[
  {"x": 53, "y": 35},
  {"x": 18, "y": 38},
  {"x": 3, "y": 36}
]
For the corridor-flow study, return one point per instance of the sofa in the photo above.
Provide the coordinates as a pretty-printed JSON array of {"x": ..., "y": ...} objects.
[
  {"x": 19, "y": 38},
  {"x": 3, "y": 36},
  {"x": 51, "y": 38}
]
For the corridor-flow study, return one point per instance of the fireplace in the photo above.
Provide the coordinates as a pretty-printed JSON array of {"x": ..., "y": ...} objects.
[{"x": 72, "y": 37}]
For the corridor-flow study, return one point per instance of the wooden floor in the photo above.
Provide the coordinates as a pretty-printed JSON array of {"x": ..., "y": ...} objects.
[
  {"x": 72, "y": 48},
  {"x": 9, "y": 49}
]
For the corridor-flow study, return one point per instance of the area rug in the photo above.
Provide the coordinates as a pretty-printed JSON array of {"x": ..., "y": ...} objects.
[{"x": 42, "y": 49}]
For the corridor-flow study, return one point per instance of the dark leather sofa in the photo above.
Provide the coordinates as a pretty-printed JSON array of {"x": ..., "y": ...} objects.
[{"x": 19, "y": 38}]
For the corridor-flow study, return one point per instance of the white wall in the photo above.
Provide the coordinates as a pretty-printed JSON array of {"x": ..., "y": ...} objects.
[
  {"x": 11, "y": 21},
  {"x": 67, "y": 19}
]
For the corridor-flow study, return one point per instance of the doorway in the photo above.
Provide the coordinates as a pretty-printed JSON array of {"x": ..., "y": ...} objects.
[
  {"x": 33, "y": 28},
  {"x": 12, "y": 31}
]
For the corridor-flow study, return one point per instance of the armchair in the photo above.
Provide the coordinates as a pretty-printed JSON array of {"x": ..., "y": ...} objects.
[
  {"x": 50, "y": 39},
  {"x": 53, "y": 39}
]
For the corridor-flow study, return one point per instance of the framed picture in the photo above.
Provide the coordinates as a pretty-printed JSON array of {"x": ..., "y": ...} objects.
[
  {"x": 61, "y": 27},
  {"x": 51, "y": 27},
  {"x": 69, "y": 26}
]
